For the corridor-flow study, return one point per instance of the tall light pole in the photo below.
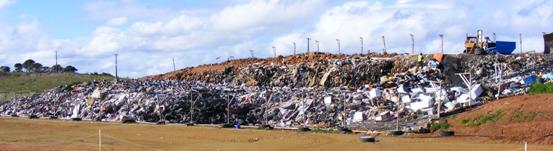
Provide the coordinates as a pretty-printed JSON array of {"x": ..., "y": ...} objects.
[
  {"x": 116, "y": 74},
  {"x": 384, "y": 42},
  {"x": 338, "y": 42},
  {"x": 174, "y": 67},
  {"x": 316, "y": 41},
  {"x": 56, "y": 57},
  {"x": 361, "y": 38},
  {"x": 520, "y": 37},
  {"x": 442, "y": 38},
  {"x": 494, "y": 37},
  {"x": 294, "y": 48},
  {"x": 274, "y": 51},
  {"x": 308, "y": 40},
  {"x": 412, "y": 43},
  {"x": 251, "y": 52}
]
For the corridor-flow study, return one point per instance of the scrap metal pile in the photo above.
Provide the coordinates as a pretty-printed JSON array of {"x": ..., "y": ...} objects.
[{"x": 356, "y": 92}]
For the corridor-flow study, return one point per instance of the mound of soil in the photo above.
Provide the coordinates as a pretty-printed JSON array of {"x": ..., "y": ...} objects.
[{"x": 515, "y": 119}]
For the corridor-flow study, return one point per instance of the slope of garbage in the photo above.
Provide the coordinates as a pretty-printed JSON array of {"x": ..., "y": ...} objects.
[
  {"x": 318, "y": 90},
  {"x": 522, "y": 118}
]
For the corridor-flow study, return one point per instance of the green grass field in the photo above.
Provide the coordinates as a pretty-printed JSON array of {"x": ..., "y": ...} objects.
[{"x": 20, "y": 84}]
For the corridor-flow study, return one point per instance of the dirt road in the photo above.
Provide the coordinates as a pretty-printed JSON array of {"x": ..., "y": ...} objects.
[{"x": 50, "y": 135}]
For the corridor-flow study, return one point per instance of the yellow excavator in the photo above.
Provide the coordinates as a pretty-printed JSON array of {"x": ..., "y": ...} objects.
[{"x": 484, "y": 45}]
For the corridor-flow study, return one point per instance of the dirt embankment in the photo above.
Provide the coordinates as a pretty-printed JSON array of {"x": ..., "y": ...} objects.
[{"x": 516, "y": 119}]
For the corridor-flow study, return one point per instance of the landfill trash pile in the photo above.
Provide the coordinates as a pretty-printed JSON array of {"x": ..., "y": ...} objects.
[
  {"x": 311, "y": 70},
  {"x": 355, "y": 92}
]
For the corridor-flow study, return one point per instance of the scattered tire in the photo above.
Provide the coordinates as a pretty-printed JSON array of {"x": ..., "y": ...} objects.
[
  {"x": 367, "y": 138},
  {"x": 128, "y": 121},
  {"x": 227, "y": 125},
  {"x": 53, "y": 117},
  {"x": 447, "y": 133},
  {"x": 14, "y": 115},
  {"x": 395, "y": 133},
  {"x": 76, "y": 119},
  {"x": 33, "y": 117},
  {"x": 423, "y": 131},
  {"x": 344, "y": 130},
  {"x": 304, "y": 129},
  {"x": 160, "y": 123},
  {"x": 189, "y": 124},
  {"x": 266, "y": 127}
]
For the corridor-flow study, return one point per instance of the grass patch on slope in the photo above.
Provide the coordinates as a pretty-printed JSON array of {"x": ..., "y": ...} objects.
[
  {"x": 483, "y": 119},
  {"x": 540, "y": 88},
  {"x": 21, "y": 84}
]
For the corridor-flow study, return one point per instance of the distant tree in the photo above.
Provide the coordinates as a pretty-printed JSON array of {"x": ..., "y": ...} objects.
[
  {"x": 37, "y": 67},
  {"x": 70, "y": 69},
  {"x": 57, "y": 68},
  {"x": 29, "y": 65},
  {"x": 18, "y": 67},
  {"x": 5, "y": 69}
]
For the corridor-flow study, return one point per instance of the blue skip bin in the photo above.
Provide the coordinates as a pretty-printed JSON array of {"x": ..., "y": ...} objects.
[{"x": 505, "y": 47}]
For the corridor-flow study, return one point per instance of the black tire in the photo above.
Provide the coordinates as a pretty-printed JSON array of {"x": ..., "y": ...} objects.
[
  {"x": 423, "y": 131},
  {"x": 344, "y": 130},
  {"x": 304, "y": 129},
  {"x": 227, "y": 125},
  {"x": 266, "y": 127},
  {"x": 189, "y": 124},
  {"x": 128, "y": 121},
  {"x": 53, "y": 117},
  {"x": 160, "y": 123},
  {"x": 367, "y": 138},
  {"x": 395, "y": 133},
  {"x": 76, "y": 119},
  {"x": 33, "y": 117},
  {"x": 14, "y": 115},
  {"x": 447, "y": 133}
]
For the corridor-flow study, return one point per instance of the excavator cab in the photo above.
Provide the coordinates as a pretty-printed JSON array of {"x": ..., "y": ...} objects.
[{"x": 470, "y": 45}]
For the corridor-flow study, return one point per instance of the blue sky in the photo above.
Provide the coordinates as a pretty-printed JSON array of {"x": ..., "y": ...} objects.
[{"x": 147, "y": 34}]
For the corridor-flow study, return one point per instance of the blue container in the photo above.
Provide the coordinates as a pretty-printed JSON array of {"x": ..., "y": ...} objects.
[
  {"x": 505, "y": 47},
  {"x": 530, "y": 79}
]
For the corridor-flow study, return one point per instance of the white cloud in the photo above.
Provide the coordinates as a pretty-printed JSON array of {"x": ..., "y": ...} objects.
[
  {"x": 5, "y": 3},
  {"x": 260, "y": 13},
  {"x": 117, "y": 21}
]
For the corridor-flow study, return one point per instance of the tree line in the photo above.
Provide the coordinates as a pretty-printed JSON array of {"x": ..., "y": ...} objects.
[{"x": 30, "y": 66}]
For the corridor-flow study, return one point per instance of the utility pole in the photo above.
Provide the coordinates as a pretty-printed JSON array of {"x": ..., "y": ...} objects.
[
  {"x": 494, "y": 37},
  {"x": 294, "y": 48},
  {"x": 412, "y": 43},
  {"x": 174, "y": 67},
  {"x": 361, "y": 38},
  {"x": 274, "y": 51},
  {"x": 384, "y": 42},
  {"x": 56, "y": 57},
  {"x": 442, "y": 38},
  {"x": 338, "y": 41},
  {"x": 251, "y": 52},
  {"x": 520, "y": 38},
  {"x": 308, "y": 39},
  {"x": 316, "y": 41},
  {"x": 116, "y": 74}
]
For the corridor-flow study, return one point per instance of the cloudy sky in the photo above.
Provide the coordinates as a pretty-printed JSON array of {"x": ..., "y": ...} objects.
[{"x": 148, "y": 34}]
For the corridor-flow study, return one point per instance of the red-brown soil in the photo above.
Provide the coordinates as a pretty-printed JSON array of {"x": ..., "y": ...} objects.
[{"x": 526, "y": 118}]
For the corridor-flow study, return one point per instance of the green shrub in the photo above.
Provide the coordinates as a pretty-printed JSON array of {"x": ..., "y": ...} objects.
[
  {"x": 539, "y": 88},
  {"x": 439, "y": 126}
]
